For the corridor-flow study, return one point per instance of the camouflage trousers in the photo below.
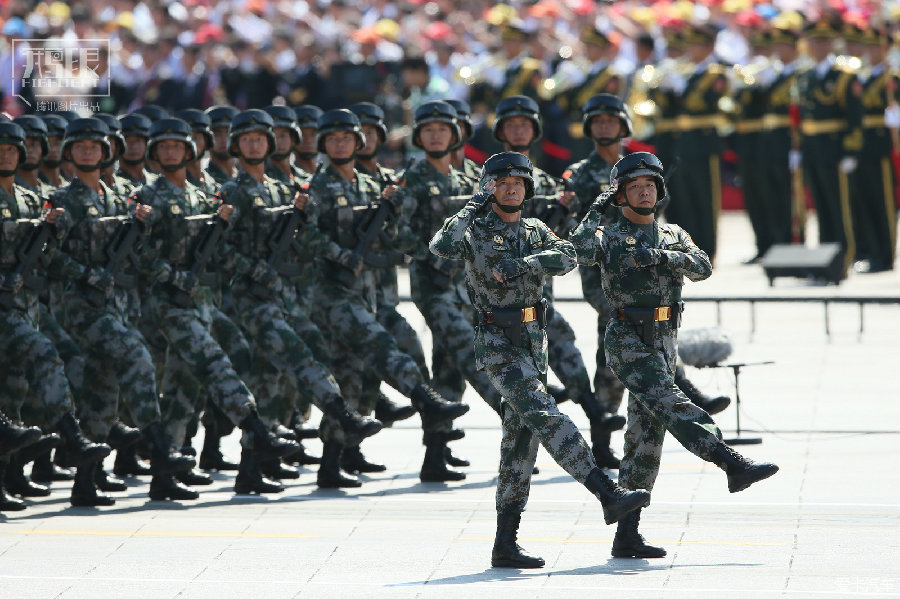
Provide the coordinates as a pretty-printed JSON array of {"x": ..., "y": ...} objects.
[
  {"x": 68, "y": 350},
  {"x": 194, "y": 350},
  {"x": 453, "y": 329},
  {"x": 608, "y": 389},
  {"x": 530, "y": 417},
  {"x": 655, "y": 403},
  {"x": 30, "y": 360},
  {"x": 118, "y": 367},
  {"x": 279, "y": 351}
]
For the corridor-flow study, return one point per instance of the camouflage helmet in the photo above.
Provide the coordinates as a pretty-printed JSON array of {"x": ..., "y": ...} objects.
[
  {"x": 88, "y": 128},
  {"x": 604, "y": 104},
  {"x": 199, "y": 121},
  {"x": 510, "y": 164},
  {"x": 153, "y": 112},
  {"x": 307, "y": 115},
  {"x": 436, "y": 112},
  {"x": 221, "y": 116},
  {"x": 247, "y": 121},
  {"x": 518, "y": 106},
  {"x": 172, "y": 128},
  {"x": 14, "y": 135},
  {"x": 34, "y": 127},
  {"x": 56, "y": 125},
  {"x": 463, "y": 117},
  {"x": 135, "y": 124},
  {"x": 283, "y": 116},
  {"x": 371, "y": 114},
  {"x": 637, "y": 165},
  {"x": 68, "y": 115},
  {"x": 339, "y": 119},
  {"x": 115, "y": 132}
]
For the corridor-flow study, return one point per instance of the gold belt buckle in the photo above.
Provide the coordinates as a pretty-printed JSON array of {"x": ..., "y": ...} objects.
[
  {"x": 529, "y": 314},
  {"x": 662, "y": 313}
]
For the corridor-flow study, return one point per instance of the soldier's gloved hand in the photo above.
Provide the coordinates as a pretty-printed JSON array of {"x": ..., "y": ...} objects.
[
  {"x": 264, "y": 274},
  {"x": 184, "y": 280},
  {"x": 12, "y": 283},
  {"x": 602, "y": 201},
  {"x": 510, "y": 269},
  {"x": 395, "y": 201},
  {"x": 351, "y": 261},
  {"x": 644, "y": 257},
  {"x": 100, "y": 280},
  {"x": 847, "y": 164},
  {"x": 479, "y": 200}
]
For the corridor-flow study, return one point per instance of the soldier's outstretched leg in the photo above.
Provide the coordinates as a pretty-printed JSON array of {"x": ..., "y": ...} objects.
[
  {"x": 250, "y": 479},
  {"x": 215, "y": 426},
  {"x": 330, "y": 476},
  {"x": 84, "y": 489},
  {"x": 628, "y": 542}
]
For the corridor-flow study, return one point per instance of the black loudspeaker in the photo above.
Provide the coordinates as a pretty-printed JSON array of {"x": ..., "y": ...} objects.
[{"x": 825, "y": 262}]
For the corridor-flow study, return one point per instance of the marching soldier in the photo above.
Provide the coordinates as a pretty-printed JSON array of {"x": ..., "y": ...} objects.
[
  {"x": 21, "y": 341},
  {"x": 306, "y": 154},
  {"x": 832, "y": 127},
  {"x": 49, "y": 168},
  {"x": 347, "y": 200},
  {"x": 643, "y": 265},
  {"x": 431, "y": 191},
  {"x": 877, "y": 213},
  {"x": 119, "y": 184},
  {"x": 201, "y": 132},
  {"x": 221, "y": 163},
  {"x": 458, "y": 159},
  {"x": 135, "y": 129},
  {"x": 506, "y": 261},
  {"x": 259, "y": 205},
  {"x": 37, "y": 148}
]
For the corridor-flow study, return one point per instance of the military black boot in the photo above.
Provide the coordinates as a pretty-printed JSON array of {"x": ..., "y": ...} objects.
[
  {"x": 355, "y": 427},
  {"x": 17, "y": 483},
  {"x": 78, "y": 450},
  {"x": 43, "y": 470},
  {"x": 8, "y": 503},
  {"x": 507, "y": 553},
  {"x": 14, "y": 437},
  {"x": 193, "y": 478},
  {"x": 263, "y": 442},
  {"x": 107, "y": 483},
  {"x": 276, "y": 470},
  {"x": 329, "y": 476},
  {"x": 164, "y": 487},
  {"x": 250, "y": 480},
  {"x": 711, "y": 405},
  {"x": 603, "y": 453},
  {"x": 433, "y": 408},
  {"x": 211, "y": 457},
  {"x": 302, "y": 458},
  {"x": 628, "y": 542},
  {"x": 163, "y": 459},
  {"x": 354, "y": 462},
  {"x": 434, "y": 468},
  {"x": 452, "y": 460},
  {"x": 389, "y": 412},
  {"x": 615, "y": 500},
  {"x": 741, "y": 472},
  {"x": 122, "y": 436},
  {"x": 84, "y": 489},
  {"x": 128, "y": 463},
  {"x": 600, "y": 419}
]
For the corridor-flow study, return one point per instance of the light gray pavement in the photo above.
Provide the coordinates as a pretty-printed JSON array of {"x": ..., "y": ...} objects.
[{"x": 827, "y": 525}]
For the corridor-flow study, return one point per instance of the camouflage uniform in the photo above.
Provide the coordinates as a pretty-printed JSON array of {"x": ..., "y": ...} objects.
[
  {"x": 278, "y": 349},
  {"x": 436, "y": 283},
  {"x": 655, "y": 403},
  {"x": 187, "y": 328},
  {"x": 218, "y": 175},
  {"x": 589, "y": 178},
  {"x": 516, "y": 366},
  {"x": 29, "y": 358},
  {"x": 117, "y": 360}
]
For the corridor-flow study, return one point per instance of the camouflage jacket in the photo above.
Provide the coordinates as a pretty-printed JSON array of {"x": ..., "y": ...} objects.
[
  {"x": 19, "y": 213},
  {"x": 207, "y": 184},
  {"x": 484, "y": 242},
  {"x": 125, "y": 183},
  {"x": 42, "y": 190},
  {"x": 217, "y": 174},
  {"x": 627, "y": 286},
  {"x": 179, "y": 218},
  {"x": 428, "y": 198},
  {"x": 340, "y": 209}
]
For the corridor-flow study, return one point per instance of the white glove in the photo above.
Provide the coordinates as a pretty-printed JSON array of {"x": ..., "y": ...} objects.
[
  {"x": 674, "y": 82},
  {"x": 794, "y": 157},
  {"x": 847, "y": 164},
  {"x": 892, "y": 116}
]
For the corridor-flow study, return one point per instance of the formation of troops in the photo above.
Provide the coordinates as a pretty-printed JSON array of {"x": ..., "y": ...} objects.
[{"x": 235, "y": 268}]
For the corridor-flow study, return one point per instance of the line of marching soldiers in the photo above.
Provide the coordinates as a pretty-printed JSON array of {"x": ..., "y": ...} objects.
[{"x": 235, "y": 268}]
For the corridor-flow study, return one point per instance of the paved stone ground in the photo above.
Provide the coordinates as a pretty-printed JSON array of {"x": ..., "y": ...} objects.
[{"x": 827, "y": 525}]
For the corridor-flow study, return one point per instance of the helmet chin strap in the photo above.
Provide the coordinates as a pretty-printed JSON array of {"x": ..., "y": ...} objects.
[
  {"x": 132, "y": 161},
  {"x": 253, "y": 161},
  {"x": 220, "y": 155},
  {"x": 29, "y": 166},
  {"x": 509, "y": 209},
  {"x": 87, "y": 168},
  {"x": 366, "y": 157},
  {"x": 280, "y": 157},
  {"x": 307, "y": 155},
  {"x": 342, "y": 161},
  {"x": 606, "y": 141},
  {"x": 52, "y": 163},
  {"x": 437, "y": 153},
  {"x": 7, "y": 173},
  {"x": 519, "y": 147}
]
